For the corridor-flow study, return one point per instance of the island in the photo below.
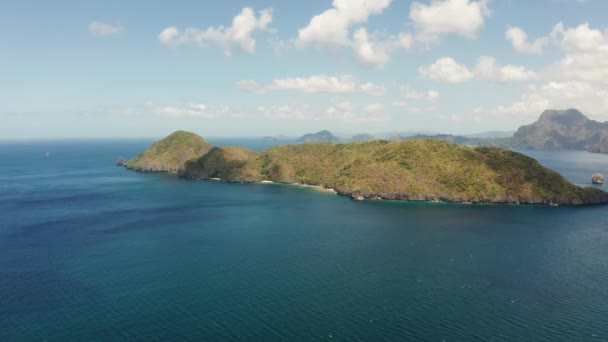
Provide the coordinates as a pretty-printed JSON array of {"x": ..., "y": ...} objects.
[
  {"x": 170, "y": 153},
  {"x": 411, "y": 170},
  {"x": 321, "y": 136}
]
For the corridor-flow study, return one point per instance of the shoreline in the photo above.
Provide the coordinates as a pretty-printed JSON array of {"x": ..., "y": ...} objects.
[
  {"x": 397, "y": 197},
  {"x": 404, "y": 198}
]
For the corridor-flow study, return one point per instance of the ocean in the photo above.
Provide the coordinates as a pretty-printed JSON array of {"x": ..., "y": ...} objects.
[{"x": 94, "y": 252}]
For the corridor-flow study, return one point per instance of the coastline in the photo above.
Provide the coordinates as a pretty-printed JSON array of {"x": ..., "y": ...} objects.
[{"x": 399, "y": 197}]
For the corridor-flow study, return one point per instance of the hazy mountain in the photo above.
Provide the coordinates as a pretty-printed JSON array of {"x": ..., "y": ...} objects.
[
  {"x": 491, "y": 134},
  {"x": 561, "y": 129},
  {"x": 362, "y": 137},
  {"x": 322, "y": 136}
]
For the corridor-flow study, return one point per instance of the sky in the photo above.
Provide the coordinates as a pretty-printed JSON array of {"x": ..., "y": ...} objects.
[{"x": 103, "y": 69}]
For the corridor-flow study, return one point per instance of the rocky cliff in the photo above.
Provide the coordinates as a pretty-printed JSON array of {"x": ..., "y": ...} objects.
[{"x": 561, "y": 129}]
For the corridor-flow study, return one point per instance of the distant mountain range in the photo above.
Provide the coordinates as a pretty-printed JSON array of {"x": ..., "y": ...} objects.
[{"x": 554, "y": 130}]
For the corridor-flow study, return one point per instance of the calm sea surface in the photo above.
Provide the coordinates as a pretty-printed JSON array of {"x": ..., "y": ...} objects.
[{"x": 90, "y": 251}]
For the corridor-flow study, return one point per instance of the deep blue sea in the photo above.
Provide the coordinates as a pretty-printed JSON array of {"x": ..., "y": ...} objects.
[{"x": 94, "y": 252}]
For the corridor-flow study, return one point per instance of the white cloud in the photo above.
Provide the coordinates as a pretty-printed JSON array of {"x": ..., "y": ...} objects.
[
  {"x": 411, "y": 93},
  {"x": 251, "y": 86},
  {"x": 368, "y": 52},
  {"x": 586, "y": 54},
  {"x": 331, "y": 28},
  {"x": 374, "y": 108},
  {"x": 375, "y": 50},
  {"x": 440, "y": 17},
  {"x": 102, "y": 29},
  {"x": 197, "y": 110},
  {"x": 317, "y": 84},
  {"x": 579, "y": 39},
  {"x": 519, "y": 39},
  {"x": 239, "y": 34},
  {"x": 169, "y": 36},
  {"x": 584, "y": 96},
  {"x": 341, "y": 84},
  {"x": 342, "y": 111},
  {"x": 447, "y": 70},
  {"x": 487, "y": 69},
  {"x": 373, "y": 89}
]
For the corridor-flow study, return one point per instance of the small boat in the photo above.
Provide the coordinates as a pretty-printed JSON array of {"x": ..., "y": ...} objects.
[{"x": 47, "y": 154}]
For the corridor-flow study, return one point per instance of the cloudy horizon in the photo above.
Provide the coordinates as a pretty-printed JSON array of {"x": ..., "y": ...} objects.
[{"x": 110, "y": 69}]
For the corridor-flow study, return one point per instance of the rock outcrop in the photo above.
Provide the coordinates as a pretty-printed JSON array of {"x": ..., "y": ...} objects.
[
  {"x": 597, "y": 178},
  {"x": 121, "y": 161}
]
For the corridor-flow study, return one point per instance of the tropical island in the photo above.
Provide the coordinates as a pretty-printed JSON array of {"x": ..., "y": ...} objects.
[{"x": 411, "y": 170}]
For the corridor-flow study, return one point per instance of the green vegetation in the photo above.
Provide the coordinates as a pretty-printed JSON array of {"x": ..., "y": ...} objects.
[
  {"x": 423, "y": 169},
  {"x": 170, "y": 153},
  {"x": 231, "y": 164}
]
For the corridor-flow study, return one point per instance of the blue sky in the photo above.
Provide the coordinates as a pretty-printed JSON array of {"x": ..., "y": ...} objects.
[{"x": 73, "y": 69}]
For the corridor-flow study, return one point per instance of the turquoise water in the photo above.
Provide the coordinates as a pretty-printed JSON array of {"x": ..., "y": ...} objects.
[{"x": 90, "y": 251}]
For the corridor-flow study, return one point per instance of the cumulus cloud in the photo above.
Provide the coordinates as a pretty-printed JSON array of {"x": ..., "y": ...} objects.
[
  {"x": 376, "y": 51},
  {"x": 440, "y": 17},
  {"x": 590, "y": 99},
  {"x": 341, "y": 84},
  {"x": 102, "y": 29},
  {"x": 368, "y": 52},
  {"x": 586, "y": 54},
  {"x": 373, "y": 89},
  {"x": 447, "y": 70},
  {"x": 239, "y": 34},
  {"x": 519, "y": 39},
  {"x": 331, "y": 28},
  {"x": 411, "y": 93},
  {"x": 317, "y": 84},
  {"x": 487, "y": 69},
  {"x": 578, "y": 39}
]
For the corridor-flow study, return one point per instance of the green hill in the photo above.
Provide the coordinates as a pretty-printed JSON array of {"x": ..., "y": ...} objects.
[
  {"x": 231, "y": 164},
  {"x": 421, "y": 170},
  {"x": 170, "y": 153}
]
